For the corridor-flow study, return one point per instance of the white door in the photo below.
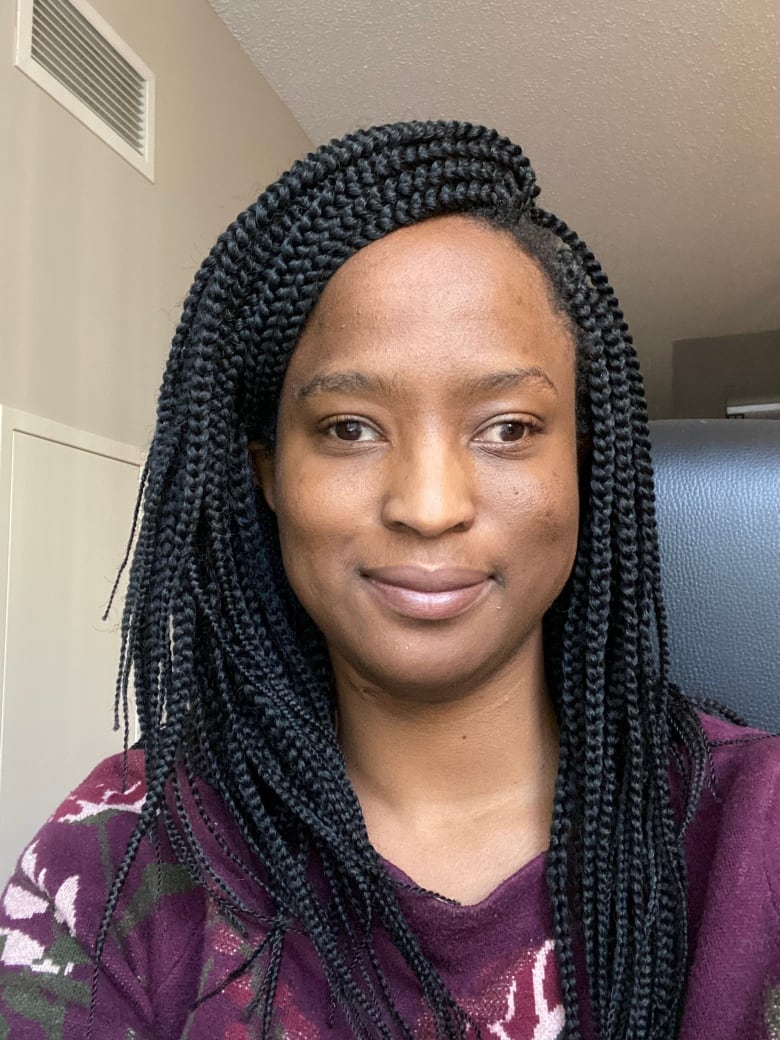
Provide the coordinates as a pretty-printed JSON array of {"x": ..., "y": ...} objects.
[{"x": 66, "y": 500}]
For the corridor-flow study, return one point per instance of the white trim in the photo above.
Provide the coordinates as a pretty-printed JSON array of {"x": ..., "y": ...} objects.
[
  {"x": 756, "y": 410},
  {"x": 29, "y": 66}
]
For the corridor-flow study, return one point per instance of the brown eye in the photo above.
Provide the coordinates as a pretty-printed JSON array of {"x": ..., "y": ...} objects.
[
  {"x": 348, "y": 430},
  {"x": 351, "y": 430},
  {"x": 508, "y": 431},
  {"x": 511, "y": 431}
]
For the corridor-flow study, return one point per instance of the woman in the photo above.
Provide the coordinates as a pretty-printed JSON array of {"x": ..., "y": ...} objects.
[{"x": 412, "y": 764}]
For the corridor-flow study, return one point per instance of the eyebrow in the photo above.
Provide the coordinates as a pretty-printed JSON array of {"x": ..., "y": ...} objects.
[
  {"x": 358, "y": 382},
  {"x": 512, "y": 378},
  {"x": 340, "y": 383}
]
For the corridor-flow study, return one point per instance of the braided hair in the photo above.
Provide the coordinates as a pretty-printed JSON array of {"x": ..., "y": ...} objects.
[{"x": 232, "y": 682}]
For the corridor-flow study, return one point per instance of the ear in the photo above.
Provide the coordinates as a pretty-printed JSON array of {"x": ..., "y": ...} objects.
[{"x": 261, "y": 459}]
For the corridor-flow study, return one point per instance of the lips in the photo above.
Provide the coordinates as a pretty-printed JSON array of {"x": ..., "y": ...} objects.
[{"x": 432, "y": 595}]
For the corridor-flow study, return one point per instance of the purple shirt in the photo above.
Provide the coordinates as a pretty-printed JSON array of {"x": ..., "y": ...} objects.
[{"x": 170, "y": 944}]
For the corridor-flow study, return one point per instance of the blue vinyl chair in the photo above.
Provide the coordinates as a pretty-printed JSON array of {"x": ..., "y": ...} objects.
[{"x": 718, "y": 502}]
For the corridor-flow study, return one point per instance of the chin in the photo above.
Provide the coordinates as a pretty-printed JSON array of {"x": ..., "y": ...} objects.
[{"x": 422, "y": 676}]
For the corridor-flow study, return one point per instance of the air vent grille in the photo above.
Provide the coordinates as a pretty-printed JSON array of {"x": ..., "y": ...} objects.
[{"x": 70, "y": 51}]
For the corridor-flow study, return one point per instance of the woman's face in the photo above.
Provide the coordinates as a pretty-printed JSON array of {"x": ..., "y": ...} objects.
[{"x": 425, "y": 472}]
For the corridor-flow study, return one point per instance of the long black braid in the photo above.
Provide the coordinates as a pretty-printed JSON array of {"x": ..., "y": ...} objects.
[{"x": 231, "y": 679}]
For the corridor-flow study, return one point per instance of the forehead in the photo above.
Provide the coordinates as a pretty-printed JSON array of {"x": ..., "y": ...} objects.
[{"x": 447, "y": 297}]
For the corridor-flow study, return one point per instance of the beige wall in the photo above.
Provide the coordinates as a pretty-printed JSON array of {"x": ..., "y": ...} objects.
[
  {"x": 710, "y": 373},
  {"x": 95, "y": 259}
]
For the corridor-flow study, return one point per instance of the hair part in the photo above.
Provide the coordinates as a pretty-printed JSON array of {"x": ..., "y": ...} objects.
[{"x": 232, "y": 683}]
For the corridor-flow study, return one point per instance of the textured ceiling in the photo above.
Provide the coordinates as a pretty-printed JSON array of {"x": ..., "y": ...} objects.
[{"x": 654, "y": 127}]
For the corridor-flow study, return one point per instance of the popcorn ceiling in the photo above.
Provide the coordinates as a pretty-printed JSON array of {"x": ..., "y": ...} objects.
[{"x": 653, "y": 128}]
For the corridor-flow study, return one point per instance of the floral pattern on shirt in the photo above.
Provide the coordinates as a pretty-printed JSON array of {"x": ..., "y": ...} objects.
[{"x": 772, "y": 1013}]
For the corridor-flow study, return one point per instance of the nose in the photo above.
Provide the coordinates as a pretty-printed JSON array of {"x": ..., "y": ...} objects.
[{"x": 430, "y": 489}]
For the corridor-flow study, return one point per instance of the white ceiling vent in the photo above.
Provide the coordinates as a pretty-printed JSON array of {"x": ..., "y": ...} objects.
[{"x": 70, "y": 51}]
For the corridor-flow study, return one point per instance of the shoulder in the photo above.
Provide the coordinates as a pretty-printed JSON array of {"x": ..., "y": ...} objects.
[
  {"x": 734, "y": 841},
  {"x": 733, "y": 855},
  {"x": 53, "y": 907},
  {"x": 744, "y": 787},
  {"x": 746, "y": 762},
  {"x": 115, "y": 785},
  {"x": 63, "y": 878},
  {"x": 71, "y": 860}
]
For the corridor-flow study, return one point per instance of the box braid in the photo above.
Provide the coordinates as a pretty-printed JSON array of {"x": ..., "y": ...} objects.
[{"x": 231, "y": 679}]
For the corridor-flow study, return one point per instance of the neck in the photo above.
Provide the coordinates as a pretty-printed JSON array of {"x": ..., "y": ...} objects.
[{"x": 479, "y": 770}]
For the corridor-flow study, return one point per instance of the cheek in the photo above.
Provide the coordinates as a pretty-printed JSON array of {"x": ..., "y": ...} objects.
[
  {"x": 305, "y": 546},
  {"x": 316, "y": 518},
  {"x": 306, "y": 524},
  {"x": 560, "y": 505},
  {"x": 545, "y": 515},
  {"x": 549, "y": 494}
]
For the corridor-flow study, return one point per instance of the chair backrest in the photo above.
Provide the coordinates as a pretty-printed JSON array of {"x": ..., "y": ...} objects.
[{"x": 718, "y": 502}]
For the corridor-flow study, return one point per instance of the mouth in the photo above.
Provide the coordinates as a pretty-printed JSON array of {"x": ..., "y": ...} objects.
[{"x": 428, "y": 595}]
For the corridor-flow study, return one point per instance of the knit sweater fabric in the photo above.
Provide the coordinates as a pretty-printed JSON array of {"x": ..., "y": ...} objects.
[{"x": 170, "y": 967}]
